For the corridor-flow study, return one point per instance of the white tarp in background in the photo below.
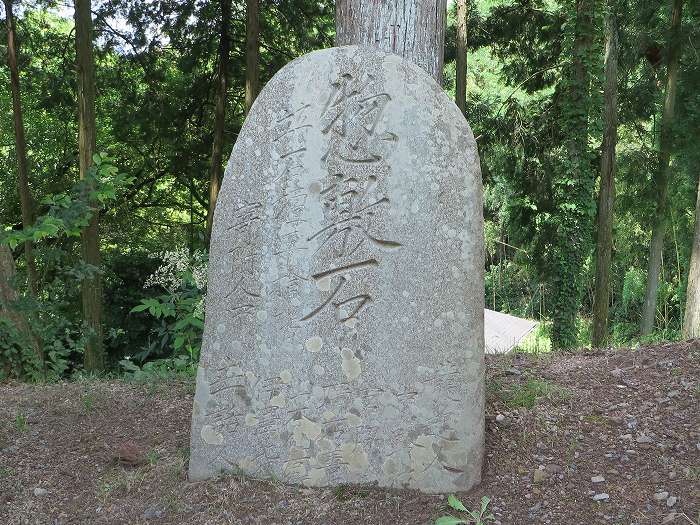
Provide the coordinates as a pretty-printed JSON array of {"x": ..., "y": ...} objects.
[{"x": 502, "y": 331}]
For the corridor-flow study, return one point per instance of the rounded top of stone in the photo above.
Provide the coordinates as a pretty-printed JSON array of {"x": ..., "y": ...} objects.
[{"x": 368, "y": 56}]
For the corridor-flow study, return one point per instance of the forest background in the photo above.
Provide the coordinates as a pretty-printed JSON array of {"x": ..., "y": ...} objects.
[{"x": 577, "y": 106}]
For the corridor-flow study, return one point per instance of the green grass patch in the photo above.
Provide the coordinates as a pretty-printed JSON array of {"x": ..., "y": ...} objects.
[
  {"x": 693, "y": 473},
  {"x": 152, "y": 456},
  {"x": 529, "y": 393},
  {"x": 595, "y": 419},
  {"x": 538, "y": 341},
  {"x": 21, "y": 424},
  {"x": 347, "y": 492},
  {"x": 88, "y": 401}
]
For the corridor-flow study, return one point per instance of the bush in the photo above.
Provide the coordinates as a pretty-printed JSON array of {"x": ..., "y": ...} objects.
[{"x": 179, "y": 310}]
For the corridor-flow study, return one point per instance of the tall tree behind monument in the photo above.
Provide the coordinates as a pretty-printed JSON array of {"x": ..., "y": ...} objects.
[
  {"x": 91, "y": 286},
  {"x": 461, "y": 62},
  {"x": 663, "y": 173},
  {"x": 252, "y": 52},
  {"x": 413, "y": 29},
  {"x": 222, "y": 79},
  {"x": 606, "y": 195},
  {"x": 25, "y": 196}
]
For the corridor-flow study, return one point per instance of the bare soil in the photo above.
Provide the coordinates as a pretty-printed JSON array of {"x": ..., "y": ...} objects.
[{"x": 115, "y": 452}]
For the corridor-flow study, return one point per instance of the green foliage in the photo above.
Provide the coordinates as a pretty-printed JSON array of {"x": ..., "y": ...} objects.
[
  {"x": 17, "y": 357},
  {"x": 174, "y": 345},
  {"x": 538, "y": 144},
  {"x": 88, "y": 401},
  {"x": 63, "y": 349},
  {"x": 21, "y": 424},
  {"x": 527, "y": 394},
  {"x": 536, "y": 342},
  {"x": 633, "y": 286},
  {"x": 159, "y": 369},
  {"x": 54, "y": 319},
  {"x": 482, "y": 516},
  {"x": 69, "y": 213},
  {"x": 154, "y": 118},
  {"x": 575, "y": 174},
  {"x": 509, "y": 288},
  {"x": 345, "y": 492},
  {"x": 180, "y": 309},
  {"x": 538, "y": 127},
  {"x": 152, "y": 456}
]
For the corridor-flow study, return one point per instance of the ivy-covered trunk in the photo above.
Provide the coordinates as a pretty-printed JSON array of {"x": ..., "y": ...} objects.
[
  {"x": 606, "y": 194},
  {"x": 574, "y": 183},
  {"x": 663, "y": 173},
  {"x": 91, "y": 287}
]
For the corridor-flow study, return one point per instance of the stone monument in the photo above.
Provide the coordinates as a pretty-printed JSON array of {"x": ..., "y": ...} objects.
[{"x": 344, "y": 334}]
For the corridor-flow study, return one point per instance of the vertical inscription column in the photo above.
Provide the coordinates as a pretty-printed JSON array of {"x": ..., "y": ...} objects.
[
  {"x": 353, "y": 196},
  {"x": 287, "y": 198}
]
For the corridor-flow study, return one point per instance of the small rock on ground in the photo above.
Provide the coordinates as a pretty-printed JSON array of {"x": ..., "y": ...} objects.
[{"x": 152, "y": 513}]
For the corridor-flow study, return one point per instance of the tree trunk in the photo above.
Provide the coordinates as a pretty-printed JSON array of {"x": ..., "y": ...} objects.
[
  {"x": 252, "y": 51},
  {"x": 606, "y": 196},
  {"x": 691, "y": 323},
  {"x": 91, "y": 287},
  {"x": 25, "y": 196},
  {"x": 575, "y": 224},
  {"x": 8, "y": 296},
  {"x": 461, "y": 65},
  {"x": 215, "y": 168},
  {"x": 414, "y": 29},
  {"x": 661, "y": 180}
]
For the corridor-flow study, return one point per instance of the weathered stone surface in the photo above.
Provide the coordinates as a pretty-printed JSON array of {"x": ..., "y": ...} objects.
[{"x": 344, "y": 333}]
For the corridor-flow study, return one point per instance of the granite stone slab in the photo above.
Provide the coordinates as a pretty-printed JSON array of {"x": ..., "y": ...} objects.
[{"x": 344, "y": 335}]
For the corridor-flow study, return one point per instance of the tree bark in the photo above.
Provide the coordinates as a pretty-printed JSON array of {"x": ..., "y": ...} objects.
[
  {"x": 25, "y": 196},
  {"x": 8, "y": 296},
  {"x": 461, "y": 62},
  {"x": 691, "y": 322},
  {"x": 575, "y": 225},
  {"x": 663, "y": 173},
  {"x": 91, "y": 287},
  {"x": 606, "y": 195},
  {"x": 414, "y": 29},
  {"x": 252, "y": 52},
  {"x": 215, "y": 168}
]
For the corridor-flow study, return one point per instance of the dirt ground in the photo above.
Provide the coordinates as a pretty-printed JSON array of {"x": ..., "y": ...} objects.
[{"x": 114, "y": 452}]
